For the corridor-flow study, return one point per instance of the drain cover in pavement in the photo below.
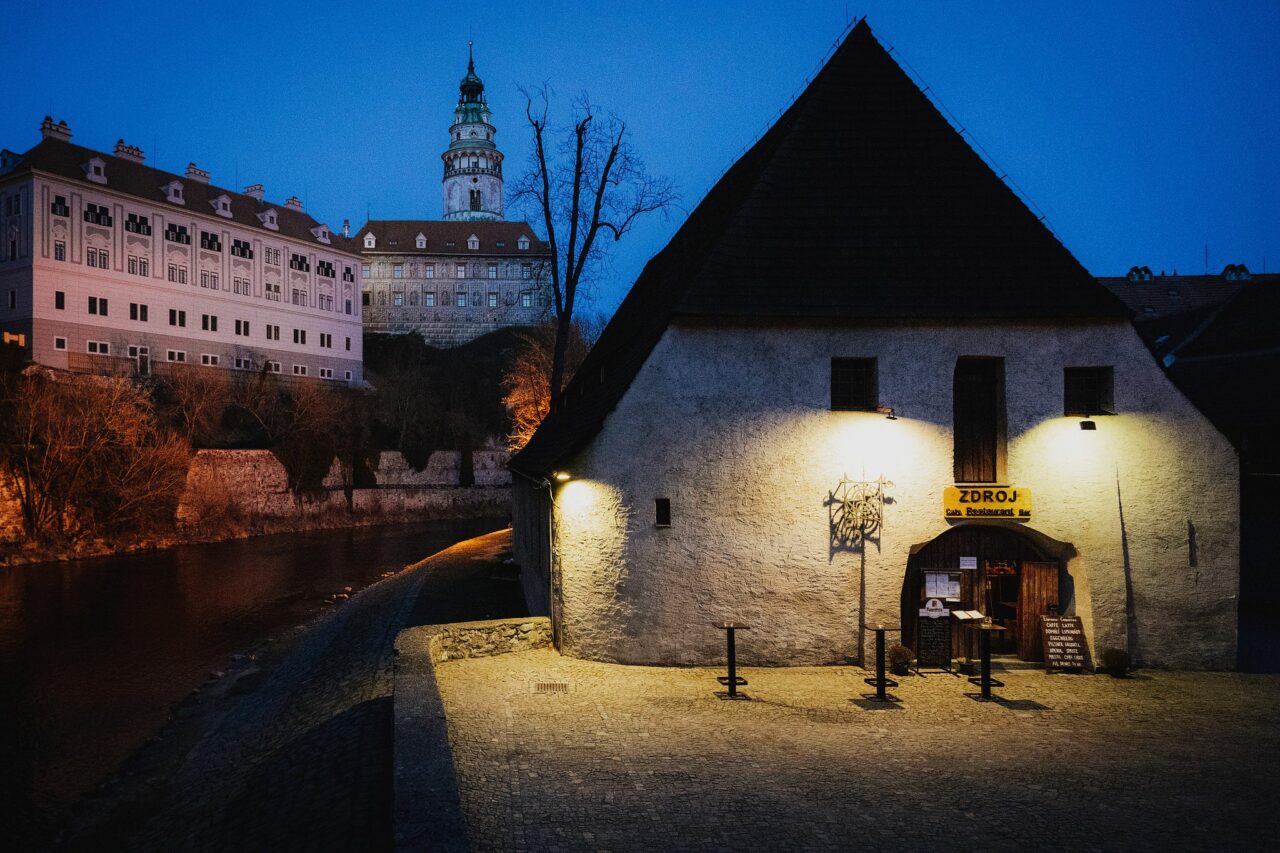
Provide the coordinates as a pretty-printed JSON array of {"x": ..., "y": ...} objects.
[{"x": 550, "y": 687}]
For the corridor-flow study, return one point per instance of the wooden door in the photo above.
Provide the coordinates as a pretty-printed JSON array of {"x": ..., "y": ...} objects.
[{"x": 1037, "y": 590}]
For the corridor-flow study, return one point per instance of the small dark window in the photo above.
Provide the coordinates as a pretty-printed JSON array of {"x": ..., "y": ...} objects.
[
  {"x": 59, "y": 300},
  {"x": 662, "y": 507},
  {"x": 1088, "y": 391},
  {"x": 978, "y": 409},
  {"x": 854, "y": 385}
]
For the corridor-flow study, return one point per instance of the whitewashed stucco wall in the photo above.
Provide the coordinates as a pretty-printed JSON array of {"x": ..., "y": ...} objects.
[{"x": 733, "y": 425}]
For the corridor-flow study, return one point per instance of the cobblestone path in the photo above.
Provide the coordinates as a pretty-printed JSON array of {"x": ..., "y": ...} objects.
[
  {"x": 303, "y": 762},
  {"x": 640, "y": 758}
]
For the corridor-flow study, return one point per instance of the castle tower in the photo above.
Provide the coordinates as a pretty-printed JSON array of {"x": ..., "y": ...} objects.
[{"x": 472, "y": 162}]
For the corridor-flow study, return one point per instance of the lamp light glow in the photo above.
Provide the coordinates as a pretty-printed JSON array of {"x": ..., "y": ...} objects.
[{"x": 562, "y": 476}]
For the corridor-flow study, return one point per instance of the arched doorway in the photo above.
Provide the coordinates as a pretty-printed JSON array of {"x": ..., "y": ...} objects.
[{"x": 1016, "y": 574}]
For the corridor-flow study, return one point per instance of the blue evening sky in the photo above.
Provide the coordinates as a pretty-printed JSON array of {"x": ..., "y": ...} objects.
[{"x": 1143, "y": 130}]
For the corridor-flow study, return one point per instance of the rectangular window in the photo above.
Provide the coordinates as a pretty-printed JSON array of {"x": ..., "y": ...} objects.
[
  {"x": 242, "y": 328},
  {"x": 98, "y": 214},
  {"x": 98, "y": 306},
  {"x": 273, "y": 258},
  {"x": 59, "y": 343},
  {"x": 493, "y": 300},
  {"x": 364, "y": 297},
  {"x": 397, "y": 270},
  {"x": 326, "y": 373},
  {"x": 348, "y": 344},
  {"x": 59, "y": 250},
  {"x": 208, "y": 360},
  {"x": 299, "y": 370},
  {"x": 273, "y": 332},
  {"x": 241, "y": 249},
  {"x": 271, "y": 291},
  {"x": 854, "y": 385},
  {"x": 133, "y": 265},
  {"x": 1088, "y": 391},
  {"x": 175, "y": 355},
  {"x": 397, "y": 299},
  {"x": 526, "y": 270},
  {"x": 979, "y": 414},
  {"x": 462, "y": 271},
  {"x": 103, "y": 260},
  {"x": 136, "y": 224},
  {"x": 348, "y": 306},
  {"x": 273, "y": 367},
  {"x": 177, "y": 318},
  {"x": 429, "y": 299},
  {"x": 429, "y": 270},
  {"x": 91, "y": 257},
  {"x": 59, "y": 300},
  {"x": 348, "y": 373},
  {"x": 326, "y": 269},
  {"x": 299, "y": 262},
  {"x": 137, "y": 312},
  {"x": 299, "y": 336},
  {"x": 493, "y": 270},
  {"x": 299, "y": 297},
  {"x": 243, "y": 363},
  {"x": 98, "y": 347},
  {"x": 662, "y": 512},
  {"x": 210, "y": 242},
  {"x": 209, "y": 322},
  {"x": 526, "y": 300},
  {"x": 461, "y": 300},
  {"x": 326, "y": 340},
  {"x": 59, "y": 206},
  {"x": 177, "y": 234},
  {"x": 364, "y": 270}
]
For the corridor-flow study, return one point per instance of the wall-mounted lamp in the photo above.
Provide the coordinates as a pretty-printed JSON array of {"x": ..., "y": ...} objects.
[
  {"x": 887, "y": 411},
  {"x": 562, "y": 476}
]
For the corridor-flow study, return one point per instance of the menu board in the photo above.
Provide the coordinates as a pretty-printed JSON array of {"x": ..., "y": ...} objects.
[
  {"x": 944, "y": 585},
  {"x": 933, "y": 647},
  {"x": 1064, "y": 644}
]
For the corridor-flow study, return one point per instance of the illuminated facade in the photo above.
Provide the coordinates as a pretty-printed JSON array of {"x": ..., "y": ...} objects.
[
  {"x": 470, "y": 272},
  {"x": 940, "y": 387},
  {"x": 112, "y": 266}
]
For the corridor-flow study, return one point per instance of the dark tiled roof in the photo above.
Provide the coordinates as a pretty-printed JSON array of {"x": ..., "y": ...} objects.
[
  {"x": 860, "y": 204},
  {"x": 398, "y": 237},
  {"x": 1174, "y": 294},
  {"x": 66, "y": 160}
]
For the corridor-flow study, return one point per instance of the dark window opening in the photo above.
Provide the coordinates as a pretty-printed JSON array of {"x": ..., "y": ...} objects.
[
  {"x": 855, "y": 386},
  {"x": 1088, "y": 391},
  {"x": 978, "y": 408},
  {"x": 475, "y": 199},
  {"x": 662, "y": 507}
]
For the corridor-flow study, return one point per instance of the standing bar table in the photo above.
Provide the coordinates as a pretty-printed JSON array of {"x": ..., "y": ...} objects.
[
  {"x": 985, "y": 681},
  {"x": 732, "y": 680},
  {"x": 880, "y": 682}
]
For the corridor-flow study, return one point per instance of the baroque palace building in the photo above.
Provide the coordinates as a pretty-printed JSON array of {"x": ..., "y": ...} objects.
[
  {"x": 109, "y": 265},
  {"x": 470, "y": 272}
]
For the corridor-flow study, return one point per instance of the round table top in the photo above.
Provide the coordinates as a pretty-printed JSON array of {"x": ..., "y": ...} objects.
[
  {"x": 882, "y": 627},
  {"x": 738, "y": 625},
  {"x": 978, "y": 626}
]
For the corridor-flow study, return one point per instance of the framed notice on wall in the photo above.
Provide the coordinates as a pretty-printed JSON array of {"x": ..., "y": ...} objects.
[{"x": 943, "y": 585}]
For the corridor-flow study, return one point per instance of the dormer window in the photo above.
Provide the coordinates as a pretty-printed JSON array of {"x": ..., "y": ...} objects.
[
  {"x": 173, "y": 192},
  {"x": 523, "y": 243},
  {"x": 96, "y": 170},
  {"x": 321, "y": 233},
  {"x": 222, "y": 205},
  {"x": 473, "y": 242},
  {"x": 268, "y": 219},
  {"x": 370, "y": 241},
  {"x": 420, "y": 241}
]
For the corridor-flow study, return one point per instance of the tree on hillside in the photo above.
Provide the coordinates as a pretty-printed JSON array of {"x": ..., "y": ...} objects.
[
  {"x": 86, "y": 454},
  {"x": 527, "y": 382},
  {"x": 589, "y": 180}
]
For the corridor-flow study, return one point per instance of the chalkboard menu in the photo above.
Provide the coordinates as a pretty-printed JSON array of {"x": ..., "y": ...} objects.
[
  {"x": 933, "y": 646},
  {"x": 1064, "y": 646}
]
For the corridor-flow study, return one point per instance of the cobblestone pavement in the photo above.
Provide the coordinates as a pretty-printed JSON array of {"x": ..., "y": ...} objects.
[
  {"x": 303, "y": 762},
  {"x": 641, "y": 758}
]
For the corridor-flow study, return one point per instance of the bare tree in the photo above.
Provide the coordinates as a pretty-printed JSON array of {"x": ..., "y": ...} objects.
[
  {"x": 87, "y": 454},
  {"x": 592, "y": 181},
  {"x": 527, "y": 382},
  {"x": 199, "y": 395}
]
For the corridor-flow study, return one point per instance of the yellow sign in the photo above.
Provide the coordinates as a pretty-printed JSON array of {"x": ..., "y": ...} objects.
[{"x": 1005, "y": 502}]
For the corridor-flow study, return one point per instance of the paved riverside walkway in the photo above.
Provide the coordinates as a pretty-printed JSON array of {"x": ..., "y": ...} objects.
[
  {"x": 644, "y": 758},
  {"x": 302, "y": 762}
]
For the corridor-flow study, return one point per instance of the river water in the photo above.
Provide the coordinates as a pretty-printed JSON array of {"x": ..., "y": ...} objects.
[{"x": 95, "y": 653}]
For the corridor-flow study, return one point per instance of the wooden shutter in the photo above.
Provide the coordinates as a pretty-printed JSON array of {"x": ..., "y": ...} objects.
[
  {"x": 1037, "y": 590},
  {"x": 976, "y": 401}
]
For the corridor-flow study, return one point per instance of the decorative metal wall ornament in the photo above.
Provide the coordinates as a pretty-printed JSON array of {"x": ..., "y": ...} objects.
[{"x": 856, "y": 511}]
